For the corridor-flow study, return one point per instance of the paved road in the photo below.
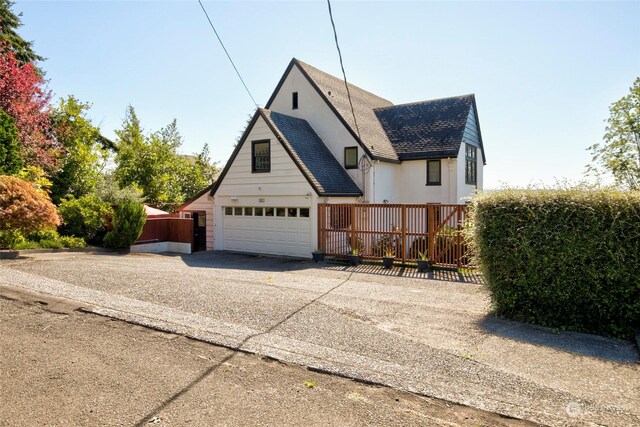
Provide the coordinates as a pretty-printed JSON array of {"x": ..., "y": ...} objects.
[
  {"x": 431, "y": 337},
  {"x": 63, "y": 367}
]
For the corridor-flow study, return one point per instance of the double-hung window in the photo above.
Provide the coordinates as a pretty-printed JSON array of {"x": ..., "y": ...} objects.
[{"x": 261, "y": 156}]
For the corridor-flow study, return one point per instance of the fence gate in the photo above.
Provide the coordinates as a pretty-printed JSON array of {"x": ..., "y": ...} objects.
[{"x": 405, "y": 231}]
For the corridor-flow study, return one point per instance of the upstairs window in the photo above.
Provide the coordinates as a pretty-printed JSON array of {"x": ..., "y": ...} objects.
[
  {"x": 261, "y": 156},
  {"x": 294, "y": 100},
  {"x": 470, "y": 164},
  {"x": 433, "y": 172},
  {"x": 351, "y": 157}
]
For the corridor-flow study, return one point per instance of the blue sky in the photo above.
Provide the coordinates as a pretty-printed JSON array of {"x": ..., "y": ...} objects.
[{"x": 544, "y": 73}]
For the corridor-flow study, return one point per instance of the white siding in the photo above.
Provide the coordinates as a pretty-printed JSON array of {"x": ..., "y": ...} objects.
[
  {"x": 204, "y": 203},
  {"x": 412, "y": 180},
  {"x": 322, "y": 119}
]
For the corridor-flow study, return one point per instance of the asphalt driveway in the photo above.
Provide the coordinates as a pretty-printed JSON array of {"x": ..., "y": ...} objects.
[{"x": 432, "y": 337}]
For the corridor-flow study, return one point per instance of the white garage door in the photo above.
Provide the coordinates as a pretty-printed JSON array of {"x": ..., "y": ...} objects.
[{"x": 267, "y": 230}]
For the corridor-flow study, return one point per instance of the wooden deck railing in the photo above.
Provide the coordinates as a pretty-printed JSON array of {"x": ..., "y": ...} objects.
[
  {"x": 167, "y": 229},
  {"x": 404, "y": 230}
]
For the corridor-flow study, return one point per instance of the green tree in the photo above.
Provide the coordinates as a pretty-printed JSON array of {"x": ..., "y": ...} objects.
[
  {"x": 85, "y": 217},
  {"x": 10, "y": 160},
  {"x": 153, "y": 163},
  {"x": 620, "y": 153},
  {"x": 84, "y": 156},
  {"x": 9, "y": 37}
]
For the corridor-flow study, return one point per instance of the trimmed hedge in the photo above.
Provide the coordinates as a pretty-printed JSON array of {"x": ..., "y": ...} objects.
[{"x": 568, "y": 259}]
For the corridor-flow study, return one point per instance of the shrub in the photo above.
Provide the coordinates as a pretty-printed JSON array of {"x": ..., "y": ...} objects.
[
  {"x": 27, "y": 245},
  {"x": 86, "y": 217},
  {"x": 23, "y": 208},
  {"x": 72, "y": 242},
  {"x": 128, "y": 221},
  {"x": 50, "y": 244},
  {"x": 10, "y": 239},
  {"x": 568, "y": 259},
  {"x": 44, "y": 234}
]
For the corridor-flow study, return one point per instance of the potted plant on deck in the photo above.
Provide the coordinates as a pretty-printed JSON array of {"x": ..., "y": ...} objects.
[
  {"x": 387, "y": 259},
  {"x": 318, "y": 255},
  {"x": 354, "y": 256},
  {"x": 423, "y": 262}
]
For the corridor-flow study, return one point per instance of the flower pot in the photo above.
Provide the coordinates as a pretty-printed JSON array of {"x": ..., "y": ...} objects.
[
  {"x": 423, "y": 264},
  {"x": 354, "y": 259},
  {"x": 387, "y": 262},
  {"x": 317, "y": 256}
]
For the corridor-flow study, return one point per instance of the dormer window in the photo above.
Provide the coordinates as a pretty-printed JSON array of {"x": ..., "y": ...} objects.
[{"x": 294, "y": 100}]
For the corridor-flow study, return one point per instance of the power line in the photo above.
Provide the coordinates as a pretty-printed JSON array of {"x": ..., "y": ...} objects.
[
  {"x": 335, "y": 35},
  {"x": 225, "y": 51}
]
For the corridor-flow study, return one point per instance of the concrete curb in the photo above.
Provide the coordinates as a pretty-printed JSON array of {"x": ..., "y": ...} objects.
[{"x": 92, "y": 249}]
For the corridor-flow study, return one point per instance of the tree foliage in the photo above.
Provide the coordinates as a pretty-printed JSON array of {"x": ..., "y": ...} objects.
[
  {"x": 10, "y": 160},
  {"x": 153, "y": 163},
  {"x": 620, "y": 153},
  {"x": 24, "y": 97},
  {"x": 83, "y": 157},
  {"x": 85, "y": 217},
  {"x": 10, "y": 39},
  {"x": 23, "y": 208}
]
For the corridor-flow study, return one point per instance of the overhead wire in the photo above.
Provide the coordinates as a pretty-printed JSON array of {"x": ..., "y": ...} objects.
[
  {"x": 227, "y": 52},
  {"x": 335, "y": 35}
]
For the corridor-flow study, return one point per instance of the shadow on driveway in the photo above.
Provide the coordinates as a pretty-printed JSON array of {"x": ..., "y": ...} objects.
[
  {"x": 574, "y": 342},
  {"x": 229, "y": 260}
]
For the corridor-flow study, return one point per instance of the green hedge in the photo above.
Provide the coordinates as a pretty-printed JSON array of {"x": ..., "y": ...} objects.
[{"x": 568, "y": 259}]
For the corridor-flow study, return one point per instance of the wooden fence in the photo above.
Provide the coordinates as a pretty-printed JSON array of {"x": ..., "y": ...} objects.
[
  {"x": 167, "y": 229},
  {"x": 405, "y": 231}
]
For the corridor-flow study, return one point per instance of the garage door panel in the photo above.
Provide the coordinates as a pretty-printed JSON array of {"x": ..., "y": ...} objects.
[{"x": 269, "y": 235}]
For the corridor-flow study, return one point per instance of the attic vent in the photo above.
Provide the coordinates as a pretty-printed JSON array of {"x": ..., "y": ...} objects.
[{"x": 294, "y": 100}]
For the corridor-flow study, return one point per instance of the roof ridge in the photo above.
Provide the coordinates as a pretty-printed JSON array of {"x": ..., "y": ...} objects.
[{"x": 407, "y": 104}]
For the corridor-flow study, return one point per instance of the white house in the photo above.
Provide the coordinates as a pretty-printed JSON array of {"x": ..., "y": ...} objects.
[{"x": 305, "y": 148}]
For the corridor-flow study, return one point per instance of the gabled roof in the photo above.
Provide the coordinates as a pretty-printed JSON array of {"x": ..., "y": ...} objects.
[
  {"x": 369, "y": 133},
  {"x": 312, "y": 157},
  {"x": 429, "y": 129}
]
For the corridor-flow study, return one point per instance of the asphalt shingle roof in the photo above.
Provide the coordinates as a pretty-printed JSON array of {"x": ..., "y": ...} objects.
[
  {"x": 372, "y": 135},
  {"x": 428, "y": 129},
  {"x": 312, "y": 155}
]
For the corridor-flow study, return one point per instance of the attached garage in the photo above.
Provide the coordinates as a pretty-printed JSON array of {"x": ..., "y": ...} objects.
[
  {"x": 265, "y": 201},
  {"x": 267, "y": 230}
]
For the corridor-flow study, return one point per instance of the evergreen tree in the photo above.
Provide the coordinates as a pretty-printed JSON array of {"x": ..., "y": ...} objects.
[{"x": 10, "y": 40}]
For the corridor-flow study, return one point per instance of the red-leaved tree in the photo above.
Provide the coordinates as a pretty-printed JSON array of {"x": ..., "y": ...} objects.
[
  {"x": 23, "y": 208},
  {"x": 24, "y": 97}
]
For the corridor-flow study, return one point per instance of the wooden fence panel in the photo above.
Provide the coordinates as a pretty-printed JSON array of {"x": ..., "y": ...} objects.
[
  {"x": 167, "y": 229},
  {"x": 404, "y": 230}
]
